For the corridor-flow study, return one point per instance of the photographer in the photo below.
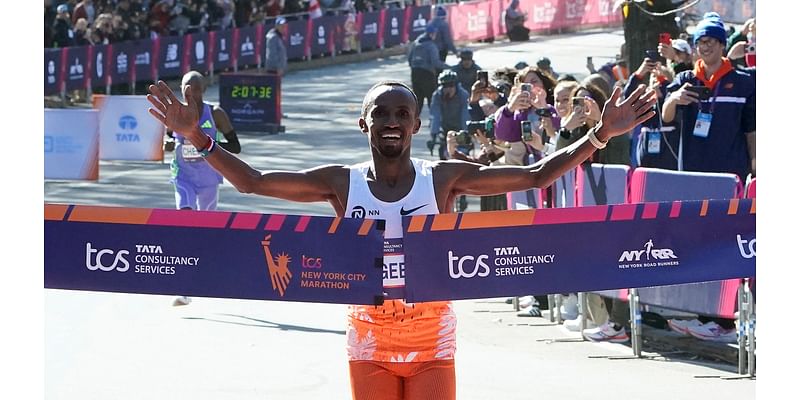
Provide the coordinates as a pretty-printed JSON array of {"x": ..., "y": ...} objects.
[
  {"x": 448, "y": 110},
  {"x": 715, "y": 108}
]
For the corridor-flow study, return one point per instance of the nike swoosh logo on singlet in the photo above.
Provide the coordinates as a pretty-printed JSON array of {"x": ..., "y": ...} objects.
[{"x": 405, "y": 212}]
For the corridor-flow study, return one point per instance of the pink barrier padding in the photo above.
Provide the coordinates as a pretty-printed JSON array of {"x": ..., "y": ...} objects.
[
  {"x": 750, "y": 191},
  {"x": 675, "y": 210},
  {"x": 547, "y": 14},
  {"x": 569, "y": 216},
  {"x": 275, "y": 222},
  {"x": 475, "y": 21},
  {"x": 200, "y": 219},
  {"x": 650, "y": 210},
  {"x": 245, "y": 221},
  {"x": 623, "y": 212},
  {"x": 302, "y": 224}
]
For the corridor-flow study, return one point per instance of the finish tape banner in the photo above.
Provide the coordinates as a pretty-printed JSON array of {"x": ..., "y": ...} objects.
[
  {"x": 506, "y": 253},
  {"x": 213, "y": 254}
]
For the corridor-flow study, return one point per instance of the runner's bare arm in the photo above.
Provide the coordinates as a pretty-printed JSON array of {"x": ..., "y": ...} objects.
[
  {"x": 617, "y": 118},
  {"x": 316, "y": 184}
]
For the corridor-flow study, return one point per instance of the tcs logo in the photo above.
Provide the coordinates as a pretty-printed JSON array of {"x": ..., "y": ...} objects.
[
  {"x": 474, "y": 266},
  {"x": 747, "y": 248},
  {"x": 96, "y": 259}
]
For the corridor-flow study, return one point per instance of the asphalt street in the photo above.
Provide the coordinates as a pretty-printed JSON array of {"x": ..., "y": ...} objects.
[{"x": 125, "y": 346}]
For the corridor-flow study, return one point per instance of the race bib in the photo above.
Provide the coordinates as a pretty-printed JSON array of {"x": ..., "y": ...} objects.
[
  {"x": 190, "y": 153},
  {"x": 654, "y": 142},
  {"x": 702, "y": 125}
]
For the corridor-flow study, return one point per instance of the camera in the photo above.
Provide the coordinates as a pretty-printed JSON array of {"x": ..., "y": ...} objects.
[
  {"x": 486, "y": 125},
  {"x": 654, "y": 56},
  {"x": 703, "y": 93}
]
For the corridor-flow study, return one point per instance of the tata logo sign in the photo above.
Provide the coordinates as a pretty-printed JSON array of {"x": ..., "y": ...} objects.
[
  {"x": 127, "y": 123},
  {"x": 106, "y": 259}
]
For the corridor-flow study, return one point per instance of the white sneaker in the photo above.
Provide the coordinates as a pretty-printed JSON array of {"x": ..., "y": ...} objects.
[
  {"x": 531, "y": 311},
  {"x": 574, "y": 325},
  {"x": 569, "y": 308},
  {"x": 713, "y": 332},
  {"x": 682, "y": 325},
  {"x": 606, "y": 333},
  {"x": 527, "y": 301},
  {"x": 181, "y": 301}
]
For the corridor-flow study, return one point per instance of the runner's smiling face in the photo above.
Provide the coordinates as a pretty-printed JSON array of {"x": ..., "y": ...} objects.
[{"x": 390, "y": 121}]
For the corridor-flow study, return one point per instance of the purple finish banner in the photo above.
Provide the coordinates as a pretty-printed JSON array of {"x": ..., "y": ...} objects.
[
  {"x": 494, "y": 254},
  {"x": 370, "y": 22},
  {"x": 213, "y": 254},
  {"x": 170, "y": 49}
]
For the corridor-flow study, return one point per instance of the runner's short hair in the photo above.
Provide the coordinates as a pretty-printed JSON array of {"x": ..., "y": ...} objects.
[{"x": 369, "y": 101}]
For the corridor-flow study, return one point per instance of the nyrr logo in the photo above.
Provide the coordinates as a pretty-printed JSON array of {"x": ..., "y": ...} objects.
[
  {"x": 457, "y": 266},
  {"x": 95, "y": 259},
  {"x": 278, "y": 267},
  {"x": 747, "y": 248},
  {"x": 649, "y": 252}
]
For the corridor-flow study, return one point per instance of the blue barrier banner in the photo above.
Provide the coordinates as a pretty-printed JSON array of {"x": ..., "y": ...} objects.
[
  {"x": 369, "y": 30},
  {"x": 121, "y": 62},
  {"x": 77, "y": 67},
  {"x": 143, "y": 60},
  {"x": 393, "y": 27},
  {"x": 101, "y": 65},
  {"x": 418, "y": 20},
  {"x": 322, "y": 34},
  {"x": 52, "y": 68},
  {"x": 504, "y": 253},
  {"x": 246, "y": 42},
  {"x": 170, "y": 51},
  {"x": 223, "y": 49},
  {"x": 213, "y": 254},
  {"x": 198, "y": 53},
  {"x": 296, "y": 45}
]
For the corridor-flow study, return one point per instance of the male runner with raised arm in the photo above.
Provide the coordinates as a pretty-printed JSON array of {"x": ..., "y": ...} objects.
[{"x": 398, "y": 350}]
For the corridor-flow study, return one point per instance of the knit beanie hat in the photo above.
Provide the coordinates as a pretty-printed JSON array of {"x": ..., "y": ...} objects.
[
  {"x": 711, "y": 26},
  {"x": 440, "y": 11}
]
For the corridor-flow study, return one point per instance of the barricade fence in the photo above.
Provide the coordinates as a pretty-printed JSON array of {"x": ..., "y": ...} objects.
[{"x": 98, "y": 66}]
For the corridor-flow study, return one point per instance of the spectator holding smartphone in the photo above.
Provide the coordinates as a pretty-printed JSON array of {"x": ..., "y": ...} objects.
[
  {"x": 718, "y": 134},
  {"x": 531, "y": 99}
]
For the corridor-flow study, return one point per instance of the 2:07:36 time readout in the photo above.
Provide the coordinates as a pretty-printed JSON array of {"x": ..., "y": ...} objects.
[{"x": 248, "y": 91}]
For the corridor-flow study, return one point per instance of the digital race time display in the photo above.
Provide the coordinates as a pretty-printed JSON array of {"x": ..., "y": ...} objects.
[{"x": 251, "y": 92}]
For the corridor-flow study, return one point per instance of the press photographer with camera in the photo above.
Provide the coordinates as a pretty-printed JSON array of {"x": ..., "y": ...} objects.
[{"x": 449, "y": 110}]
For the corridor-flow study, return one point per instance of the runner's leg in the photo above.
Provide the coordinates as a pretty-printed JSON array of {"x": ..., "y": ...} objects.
[
  {"x": 370, "y": 381},
  {"x": 435, "y": 380}
]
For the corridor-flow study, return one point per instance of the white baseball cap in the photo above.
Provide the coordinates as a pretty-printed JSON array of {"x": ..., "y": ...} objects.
[{"x": 681, "y": 45}]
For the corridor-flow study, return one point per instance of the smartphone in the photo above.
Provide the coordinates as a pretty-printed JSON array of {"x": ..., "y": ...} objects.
[
  {"x": 527, "y": 131},
  {"x": 654, "y": 56},
  {"x": 577, "y": 104},
  {"x": 543, "y": 112},
  {"x": 665, "y": 38},
  {"x": 703, "y": 93},
  {"x": 483, "y": 77},
  {"x": 526, "y": 87}
]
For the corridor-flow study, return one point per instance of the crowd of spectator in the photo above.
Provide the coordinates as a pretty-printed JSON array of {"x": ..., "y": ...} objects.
[{"x": 90, "y": 22}]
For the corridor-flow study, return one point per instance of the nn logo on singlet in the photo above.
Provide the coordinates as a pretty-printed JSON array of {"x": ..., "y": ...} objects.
[
  {"x": 361, "y": 212},
  {"x": 278, "y": 267}
]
